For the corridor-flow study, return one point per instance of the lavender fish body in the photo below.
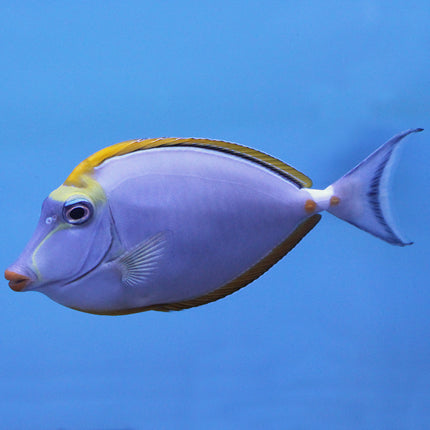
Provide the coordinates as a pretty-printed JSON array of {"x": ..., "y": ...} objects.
[{"x": 168, "y": 224}]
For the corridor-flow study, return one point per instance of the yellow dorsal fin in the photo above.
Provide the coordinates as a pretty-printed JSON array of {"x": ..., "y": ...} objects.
[
  {"x": 241, "y": 281},
  {"x": 87, "y": 166}
]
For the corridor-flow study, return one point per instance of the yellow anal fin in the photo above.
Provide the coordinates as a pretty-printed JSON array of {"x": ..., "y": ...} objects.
[
  {"x": 129, "y": 146},
  {"x": 242, "y": 280}
]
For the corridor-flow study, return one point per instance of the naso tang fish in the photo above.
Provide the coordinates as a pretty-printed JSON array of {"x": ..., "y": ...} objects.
[{"x": 168, "y": 224}]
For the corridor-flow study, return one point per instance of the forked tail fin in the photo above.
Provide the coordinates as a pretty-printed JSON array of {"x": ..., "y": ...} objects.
[{"x": 361, "y": 196}]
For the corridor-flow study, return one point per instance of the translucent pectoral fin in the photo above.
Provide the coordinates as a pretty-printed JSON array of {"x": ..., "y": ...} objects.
[{"x": 140, "y": 262}]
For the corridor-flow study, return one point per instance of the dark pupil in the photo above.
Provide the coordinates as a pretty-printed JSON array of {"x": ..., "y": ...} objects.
[{"x": 77, "y": 213}]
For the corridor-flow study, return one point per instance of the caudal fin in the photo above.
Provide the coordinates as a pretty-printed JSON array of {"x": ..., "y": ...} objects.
[{"x": 361, "y": 196}]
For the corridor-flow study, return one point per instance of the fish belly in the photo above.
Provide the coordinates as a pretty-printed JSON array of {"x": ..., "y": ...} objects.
[{"x": 221, "y": 215}]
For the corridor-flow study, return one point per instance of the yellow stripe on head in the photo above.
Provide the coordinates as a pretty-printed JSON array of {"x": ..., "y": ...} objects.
[{"x": 87, "y": 187}]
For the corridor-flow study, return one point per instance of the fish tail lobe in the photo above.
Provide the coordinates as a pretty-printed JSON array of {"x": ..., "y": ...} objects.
[{"x": 361, "y": 196}]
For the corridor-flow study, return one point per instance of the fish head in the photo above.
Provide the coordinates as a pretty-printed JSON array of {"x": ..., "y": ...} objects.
[{"x": 72, "y": 237}]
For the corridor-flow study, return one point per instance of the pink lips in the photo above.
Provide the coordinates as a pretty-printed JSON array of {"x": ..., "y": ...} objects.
[{"x": 16, "y": 281}]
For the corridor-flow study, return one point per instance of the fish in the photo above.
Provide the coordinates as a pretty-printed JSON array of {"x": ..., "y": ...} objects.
[{"x": 168, "y": 224}]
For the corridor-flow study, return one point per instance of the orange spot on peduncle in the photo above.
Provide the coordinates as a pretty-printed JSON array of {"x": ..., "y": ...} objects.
[
  {"x": 310, "y": 206},
  {"x": 334, "y": 201}
]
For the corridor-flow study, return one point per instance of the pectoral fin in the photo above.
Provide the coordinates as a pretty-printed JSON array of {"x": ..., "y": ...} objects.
[{"x": 138, "y": 264}]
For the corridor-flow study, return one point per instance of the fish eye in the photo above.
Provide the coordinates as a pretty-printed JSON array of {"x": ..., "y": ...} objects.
[{"x": 77, "y": 211}]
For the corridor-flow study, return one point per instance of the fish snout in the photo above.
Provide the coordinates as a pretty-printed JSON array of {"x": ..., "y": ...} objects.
[{"x": 17, "y": 281}]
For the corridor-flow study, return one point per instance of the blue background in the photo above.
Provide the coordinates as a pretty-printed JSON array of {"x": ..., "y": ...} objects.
[{"x": 336, "y": 335}]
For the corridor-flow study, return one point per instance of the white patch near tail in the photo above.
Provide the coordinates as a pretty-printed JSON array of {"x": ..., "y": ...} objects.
[
  {"x": 363, "y": 193},
  {"x": 361, "y": 196}
]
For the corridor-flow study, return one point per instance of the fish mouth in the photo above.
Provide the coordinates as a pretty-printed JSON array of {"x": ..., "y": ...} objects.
[{"x": 17, "y": 282}]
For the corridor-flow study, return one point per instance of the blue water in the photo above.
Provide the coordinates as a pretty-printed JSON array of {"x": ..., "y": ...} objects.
[{"x": 336, "y": 335}]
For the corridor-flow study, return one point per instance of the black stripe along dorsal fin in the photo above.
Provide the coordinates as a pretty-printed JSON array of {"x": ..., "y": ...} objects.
[{"x": 127, "y": 147}]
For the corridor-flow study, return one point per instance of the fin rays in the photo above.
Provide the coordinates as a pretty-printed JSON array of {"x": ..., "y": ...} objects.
[{"x": 140, "y": 262}]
